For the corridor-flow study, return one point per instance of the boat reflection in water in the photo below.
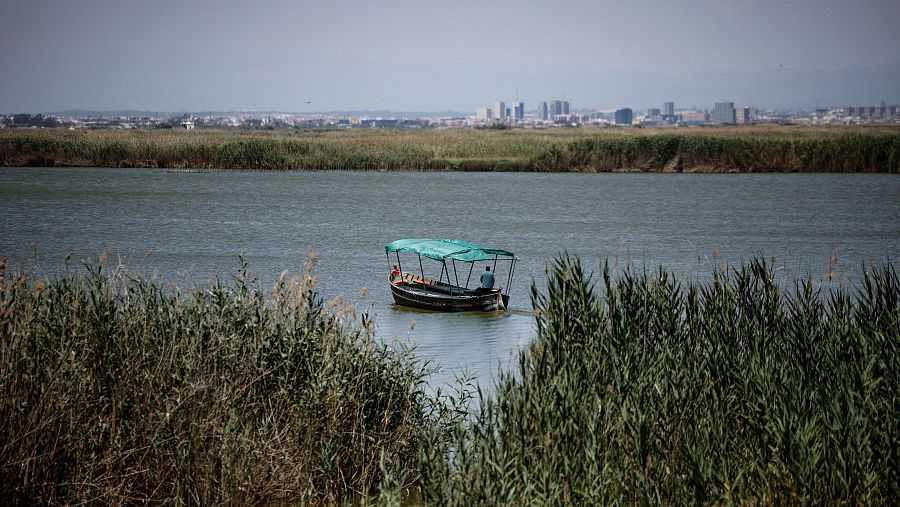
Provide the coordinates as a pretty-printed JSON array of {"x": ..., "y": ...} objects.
[{"x": 447, "y": 293}]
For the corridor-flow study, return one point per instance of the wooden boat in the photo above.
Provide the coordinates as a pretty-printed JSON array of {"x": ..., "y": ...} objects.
[{"x": 418, "y": 291}]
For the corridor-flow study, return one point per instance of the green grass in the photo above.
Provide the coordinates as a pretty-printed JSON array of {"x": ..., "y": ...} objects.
[
  {"x": 743, "y": 149},
  {"x": 653, "y": 392}
]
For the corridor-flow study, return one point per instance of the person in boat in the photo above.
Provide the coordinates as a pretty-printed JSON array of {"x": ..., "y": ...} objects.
[
  {"x": 395, "y": 274},
  {"x": 487, "y": 280}
]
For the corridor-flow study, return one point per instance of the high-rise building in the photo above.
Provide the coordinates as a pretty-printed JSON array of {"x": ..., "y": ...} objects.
[
  {"x": 483, "y": 114},
  {"x": 518, "y": 111},
  {"x": 742, "y": 115},
  {"x": 653, "y": 112},
  {"x": 668, "y": 108},
  {"x": 542, "y": 111},
  {"x": 499, "y": 110},
  {"x": 723, "y": 113},
  {"x": 558, "y": 107},
  {"x": 624, "y": 116},
  {"x": 555, "y": 108}
]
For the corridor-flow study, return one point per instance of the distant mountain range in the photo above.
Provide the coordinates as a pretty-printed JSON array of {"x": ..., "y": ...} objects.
[
  {"x": 769, "y": 88},
  {"x": 81, "y": 113},
  {"x": 772, "y": 88},
  {"x": 317, "y": 84}
]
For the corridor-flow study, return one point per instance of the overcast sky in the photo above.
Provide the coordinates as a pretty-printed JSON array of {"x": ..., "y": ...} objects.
[{"x": 424, "y": 55}]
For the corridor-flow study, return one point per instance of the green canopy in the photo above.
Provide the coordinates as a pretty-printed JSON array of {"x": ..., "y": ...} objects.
[{"x": 440, "y": 249}]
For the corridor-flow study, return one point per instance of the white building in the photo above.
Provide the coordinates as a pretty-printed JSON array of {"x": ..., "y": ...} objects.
[{"x": 499, "y": 110}]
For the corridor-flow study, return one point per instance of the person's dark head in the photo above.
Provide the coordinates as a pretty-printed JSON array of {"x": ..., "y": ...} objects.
[{"x": 487, "y": 268}]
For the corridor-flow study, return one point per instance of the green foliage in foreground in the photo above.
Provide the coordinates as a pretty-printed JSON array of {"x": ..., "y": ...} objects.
[
  {"x": 118, "y": 390},
  {"x": 744, "y": 149},
  {"x": 114, "y": 389},
  {"x": 730, "y": 391}
]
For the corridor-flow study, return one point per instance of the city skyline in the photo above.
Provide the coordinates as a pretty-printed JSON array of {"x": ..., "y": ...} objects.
[{"x": 403, "y": 55}]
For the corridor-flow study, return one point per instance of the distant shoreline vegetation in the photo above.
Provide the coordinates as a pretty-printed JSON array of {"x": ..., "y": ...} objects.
[{"x": 722, "y": 149}]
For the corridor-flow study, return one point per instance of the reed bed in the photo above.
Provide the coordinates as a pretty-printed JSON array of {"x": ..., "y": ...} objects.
[
  {"x": 773, "y": 152},
  {"x": 116, "y": 389},
  {"x": 744, "y": 149},
  {"x": 647, "y": 391}
]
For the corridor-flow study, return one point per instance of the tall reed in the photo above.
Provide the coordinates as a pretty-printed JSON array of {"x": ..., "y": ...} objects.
[
  {"x": 117, "y": 389},
  {"x": 650, "y": 391}
]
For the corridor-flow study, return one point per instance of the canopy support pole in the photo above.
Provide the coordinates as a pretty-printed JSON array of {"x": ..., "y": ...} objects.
[
  {"x": 399, "y": 266},
  {"x": 512, "y": 265},
  {"x": 420, "y": 266},
  {"x": 495, "y": 264},
  {"x": 454, "y": 272},
  {"x": 445, "y": 268},
  {"x": 471, "y": 265}
]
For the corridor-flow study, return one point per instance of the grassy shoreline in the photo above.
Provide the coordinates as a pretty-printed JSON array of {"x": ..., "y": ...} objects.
[{"x": 693, "y": 149}]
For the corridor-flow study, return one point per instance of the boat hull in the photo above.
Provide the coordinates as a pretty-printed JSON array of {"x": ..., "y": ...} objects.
[{"x": 427, "y": 300}]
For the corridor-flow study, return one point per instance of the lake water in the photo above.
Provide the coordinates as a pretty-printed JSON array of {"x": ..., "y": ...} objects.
[{"x": 191, "y": 226}]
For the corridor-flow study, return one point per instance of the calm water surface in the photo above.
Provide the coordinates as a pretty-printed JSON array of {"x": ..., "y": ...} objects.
[{"x": 192, "y": 226}]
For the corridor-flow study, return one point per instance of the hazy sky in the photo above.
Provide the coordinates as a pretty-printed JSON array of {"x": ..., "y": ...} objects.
[{"x": 423, "y": 55}]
